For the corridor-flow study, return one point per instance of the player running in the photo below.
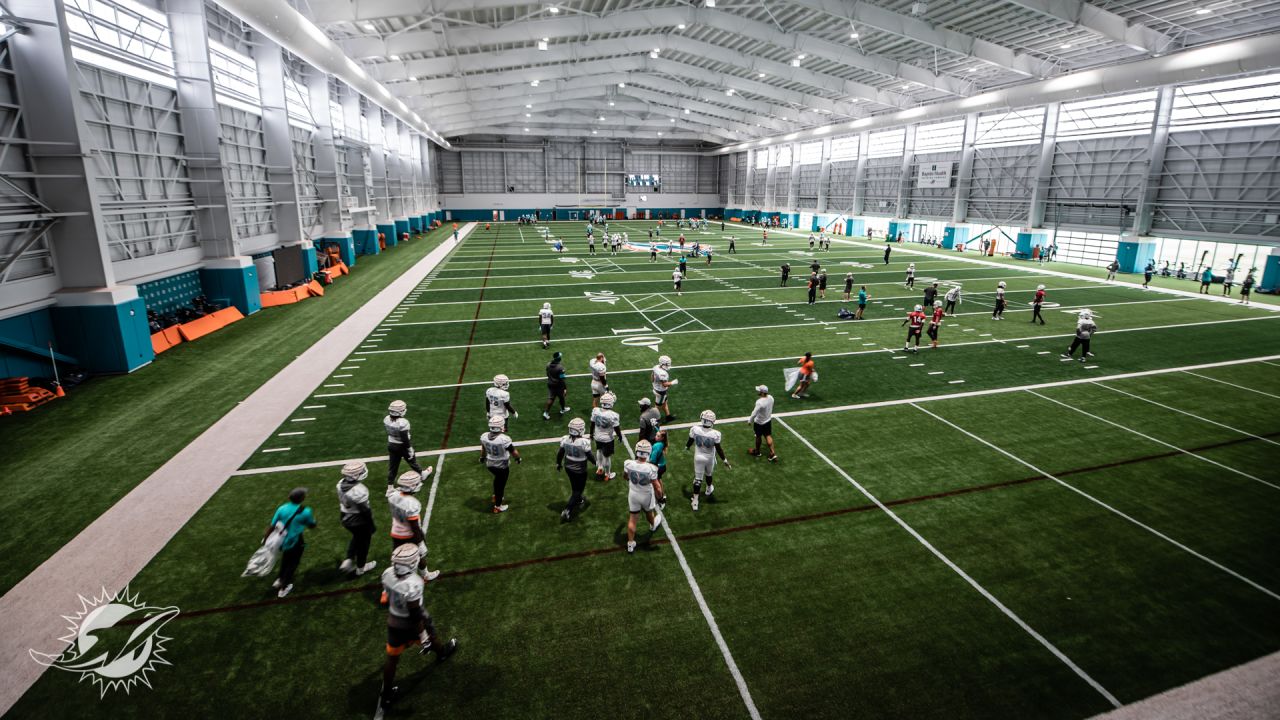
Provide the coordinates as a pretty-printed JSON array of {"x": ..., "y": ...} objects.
[
  {"x": 497, "y": 400},
  {"x": 935, "y": 323},
  {"x": 573, "y": 456},
  {"x": 408, "y": 622},
  {"x": 676, "y": 279},
  {"x": 599, "y": 382},
  {"x": 805, "y": 378},
  {"x": 496, "y": 451},
  {"x": 998, "y": 312},
  {"x": 916, "y": 319},
  {"x": 705, "y": 440},
  {"x": 399, "y": 441},
  {"x": 662, "y": 382},
  {"x": 1036, "y": 303},
  {"x": 641, "y": 474},
  {"x": 762, "y": 422},
  {"x": 911, "y": 275},
  {"x": 1085, "y": 328},
  {"x": 606, "y": 426},
  {"x": 546, "y": 319}
]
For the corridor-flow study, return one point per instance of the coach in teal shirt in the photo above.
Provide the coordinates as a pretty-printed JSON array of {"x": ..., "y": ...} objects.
[{"x": 296, "y": 518}]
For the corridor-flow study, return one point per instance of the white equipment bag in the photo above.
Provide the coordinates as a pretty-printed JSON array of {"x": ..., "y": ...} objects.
[
  {"x": 263, "y": 560},
  {"x": 791, "y": 375}
]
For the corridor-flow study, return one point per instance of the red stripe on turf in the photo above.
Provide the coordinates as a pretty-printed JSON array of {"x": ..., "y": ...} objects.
[{"x": 475, "y": 321}]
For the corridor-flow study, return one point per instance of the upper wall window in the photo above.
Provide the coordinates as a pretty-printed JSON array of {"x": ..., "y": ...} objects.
[
  {"x": 1016, "y": 127},
  {"x": 1228, "y": 103},
  {"x": 235, "y": 77},
  {"x": 887, "y": 143},
  {"x": 811, "y": 153},
  {"x": 123, "y": 36},
  {"x": 1131, "y": 114},
  {"x": 940, "y": 137},
  {"x": 845, "y": 148}
]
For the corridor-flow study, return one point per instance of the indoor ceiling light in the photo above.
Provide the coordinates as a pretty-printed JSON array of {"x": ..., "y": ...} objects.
[
  {"x": 657, "y": 50},
  {"x": 853, "y": 35},
  {"x": 526, "y": 129},
  {"x": 795, "y": 63},
  {"x": 534, "y": 83},
  {"x": 729, "y": 91},
  {"x": 906, "y": 87},
  {"x": 622, "y": 84},
  {"x": 653, "y": 55},
  {"x": 801, "y": 56},
  {"x": 610, "y": 103},
  {"x": 394, "y": 57},
  {"x": 709, "y": 3},
  {"x": 1066, "y": 46},
  {"x": 595, "y": 132},
  {"x": 761, "y": 75},
  {"x": 528, "y": 115},
  {"x": 553, "y": 10},
  {"x": 1203, "y": 11},
  {"x": 659, "y": 133},
  {"x": 601, "y": 118},
  {"x": 542, "y": 44},
  {"x": 973, "y": 69},
  {"x": 368, "y": 26},
  {"x": 686, "y": 111},
  {"x": 413, "y": 78},
  {"x": 680, "y": 26},
  {"x": 528, "y": 106},
  {"x": 673, "y": 119}
]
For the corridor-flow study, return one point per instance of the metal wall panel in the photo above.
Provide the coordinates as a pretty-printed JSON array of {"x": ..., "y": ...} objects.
[
  {"x": 932, "y": 202},
  {"x": 1003, "y": 178},
  {"x": 1094, "y": 181},
  {"x": 1221, "y": 181}
]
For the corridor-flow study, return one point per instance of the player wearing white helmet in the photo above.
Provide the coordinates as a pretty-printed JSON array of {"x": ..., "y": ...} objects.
[
  {"x": 399, "y": 442},
  {"x": 408, "y": 622},
  {"x": 661, "y": 380},
  {"x": 574, "y": 455},
  {"x": 676, "y": 279},
  {"x": 641, "y": 474},
  {"x": 606, "y": 426},
  {"x": 406, "y": 517},
  {"x": 911, "y": 275},
  {"x": 998, "y": 312},
  {"x": 953, "y": 299},
  {"x": 496, "y": 451},
  {"x": 497, "y": 400},
  {"x": 705, "y": 441},
  {"x": 1036, "y": 303},
  {"x": 546, "y": 319},
  {"x": 935, "y": 323},
  {"x": 357, "y": 517},
  {"x": 762, "y": 421},
  {"x": 599, "y": 381},
  {"x": 1085, "y": 328},
  {"x": 591, "y": 243}
]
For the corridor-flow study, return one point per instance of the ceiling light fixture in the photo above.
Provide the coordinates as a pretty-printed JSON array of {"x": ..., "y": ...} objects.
[
  {"x": 622, "y": 84},
  {"x": 595, "y": 132},
  {"x": 686, "y": 111},
  {"x": 795, "y": 63},
  {"x": 853, "y": 35},
  {"x": 973, "y": 69},
  {"x": 680, "y": 26},
  {"x": 553, "y": 9},
  {"x": 729, "y": 92},
  {"x": 528, "y": 115},
  {"x": 1203, "y": 11},
  {"x": 1066, "y": 46},
  {"x": 659, "y": 133},
  {"x": 653, "y": 55},
  {"x": 526, "y": 129},
  {"x": 528, "y": 106},
  {"x": 534, "y": 83},
  {"x": 368, "y": 27},
  {"x": 542, "y": 44},
  {"x": 394, "y": 58},
  {"x": 610, "y": 103},
  {"x": 801, "y": 56},
  {"x": 673, "y": 119},
  {"x": 601, "y": 118},
  {"x": 709, "y": 3}
]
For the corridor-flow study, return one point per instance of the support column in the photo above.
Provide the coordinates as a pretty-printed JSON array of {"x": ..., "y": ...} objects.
[
  {"x": 1144, "y": 214},
  {"x": 824, "y": 176},
  {"x": 751, "y": 174},
  {"x": 964, "y": 174},
  {"x": 770, "y": 178},
  {"x": 1044, "y": 168},
  {"x": 383, "y": 223},
  {"x": 364, "y": 234},
  {"x": 793, "y": 182},
  {"x": 335, "y": 227},
  {"x": 101, "y": 324},
  {"x": 860, "y": 176},
  {"x": 730, "y": 185},
  {"x": 277, "y": 140},
  {"x": 903, "y": 201}
]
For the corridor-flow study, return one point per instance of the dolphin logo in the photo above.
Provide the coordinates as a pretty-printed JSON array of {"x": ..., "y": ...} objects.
[{"x": 114, "y": 641}]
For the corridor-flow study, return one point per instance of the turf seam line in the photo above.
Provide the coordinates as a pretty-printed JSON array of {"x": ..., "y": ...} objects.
[
  {"x": 1100, "y": 503},
  {"x": 462, "y": 371},
  {"x": 956, "y": 568}
]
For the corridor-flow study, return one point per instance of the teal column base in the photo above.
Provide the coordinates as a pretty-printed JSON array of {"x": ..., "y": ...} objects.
[
  {"x": 896, "y": 227},
  {"x": 953, "y": 236},
  {"x": 232, "y": 281},
  {"x": 1133, "y": 255},
  {"x": 402, "y": 229},
  {"x": 309, "y": 262},
  {"x": 388, "y": 232},
  {"x": 366, "y": 240},
  {"x": 346, "y": 248},
  {"x": 855, "y": 226},
  {"x": 415, "y": 223},
  {"x": 106, "y": 330}
]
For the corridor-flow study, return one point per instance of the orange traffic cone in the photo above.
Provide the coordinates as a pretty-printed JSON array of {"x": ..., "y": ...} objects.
[{"x": 58, "y": 391}]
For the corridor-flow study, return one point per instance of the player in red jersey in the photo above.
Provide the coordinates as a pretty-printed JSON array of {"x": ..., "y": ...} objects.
[
  {"x": 916, "y": 318},
  {"x": 935, "y": 322},
  {"x": 1036, "y": 304}
]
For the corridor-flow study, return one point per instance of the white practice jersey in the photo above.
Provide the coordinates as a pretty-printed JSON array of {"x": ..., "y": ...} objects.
[
  {"x": 639, "y": 472},
  {"x": 763, "y": 411},
  {"x": 497, "y": 449},
  {"x": 704, "y": 440},
  {"x": 545, "y": 316},
  {"x": 397, "y": 430},
  {"x": 404, "y": 592},
  {"x": 576, "y": 452},
  {"x": 953, "y": 294},
  {"x": 660, "y": 378},
  {"x": 603, "y": 423},
  {"x": 676, "y": 276},
  {"x": 406, "y": 511},
  {"x": 597, "y": 370},
  {"x": 999, "y": 293},
  {"x": 354, "y": 500},
  {"x": 497, "y": 398}
]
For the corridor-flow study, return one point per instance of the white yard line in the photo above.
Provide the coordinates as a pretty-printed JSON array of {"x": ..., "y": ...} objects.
[
  {"x": 1242, "y": 387},
  {"x": 957, "y": 570},
  {"x": 1184, "y": 412},
  {"x": 799, "y": 413},
  {"x": 706, "y": 613},
  {"x": 108, "y": 553},
  {"x": 1103, "y": 505},
  {"x": 431, "y": 496},
  {"x": 1171, "y": 446}
]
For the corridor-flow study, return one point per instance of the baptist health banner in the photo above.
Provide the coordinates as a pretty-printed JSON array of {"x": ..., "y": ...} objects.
[{"x": 934, "y": 175}]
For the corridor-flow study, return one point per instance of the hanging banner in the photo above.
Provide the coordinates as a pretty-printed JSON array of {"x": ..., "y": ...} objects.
[{"x": 934, "y": 175}]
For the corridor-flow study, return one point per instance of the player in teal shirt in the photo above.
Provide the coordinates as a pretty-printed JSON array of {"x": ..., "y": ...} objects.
[{"x": 658, "y": 457}]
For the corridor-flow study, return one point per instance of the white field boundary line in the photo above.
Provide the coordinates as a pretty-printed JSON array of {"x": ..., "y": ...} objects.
[
  {"x": 792, "y": 358},
  {"x": 740, "y": 306},
  {"x": 1043, "y": 271},
  {"x": 800, "y": 413},
  {"x": 1234, "y": 385},
  {"x": 431, "y": 496},
  {"x": 649, "y": 267},
  {"x": 1169, "y": 445},
  {"x": 1044, "y": 642},
  {"x": 738, "y": 680},
  {"x": 1103, "y": 505},
  {"x": 1184, "y": 412},
  {"x": 120, "y": 542}
]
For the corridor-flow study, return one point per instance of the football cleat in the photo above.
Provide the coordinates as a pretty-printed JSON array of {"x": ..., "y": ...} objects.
[
  {"x": 631, "y": 546},
  {"x": 497, "y": 509},
  {"x": 694, "y": 504},
  {"x": 565, "y": 515},
  {"x": 347, "y": 566}
]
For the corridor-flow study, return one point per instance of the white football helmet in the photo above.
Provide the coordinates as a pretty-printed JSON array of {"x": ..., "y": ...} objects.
[
  {"x": 762, "y": 389},
  {"x": 405, "y": 559},
  {"x": 577, "y": 427},
  {"x": 355, "y": 470},
  {"x": 397, "y": 408},
  {"x": 1000, "y": 284},
  {"x": 496, "y": 423},
  {"x": 502, "y": 382},
  {"x": 645, "y": 402},
  {"x": 607, "y": 400},
  {"x": 911, "y": 266},
  {"x": 1039, "y": 287},
  {"x": 643, "y": 448},
  {"x": 708, "y": 418},
  {"x": 664, "y": 362},
  {"x": 919, "y": 308},
  {"x": 546, "y": 306},
  {"x": 1086, "y": 314},
  {"x": 410, "y": 482},
  {"x": 937, "y": 303}
]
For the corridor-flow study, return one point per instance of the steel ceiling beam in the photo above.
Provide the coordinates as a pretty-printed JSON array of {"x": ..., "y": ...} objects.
[
  {"x": 1102, "y": 22},
  {"x": 599, "y": 107},
  {"x": 584, "y": 133}
]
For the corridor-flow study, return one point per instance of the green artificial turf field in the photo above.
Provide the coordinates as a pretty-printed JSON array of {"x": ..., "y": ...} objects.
[{"x": 982, "y": 530}]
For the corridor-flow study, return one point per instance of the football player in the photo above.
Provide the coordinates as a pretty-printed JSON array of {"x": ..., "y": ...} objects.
[
  {"x": 676, "y": 278},
  {"x": 705, "y": 441},
  {"x": 650, "y": 420},
  {"x": 935, "y": 322},
  {"x": 599, "y": 382},
  {"x": 406, "y": 518},
  {"x": 662, "y": 382},
  {"x": 953, "y": 299},
  {"x": 496, "y": 451},
  {"x": 1085, "y": 328},
  {"x": 606, "y": 426},
  {"x": 641, "y": 474},
  {"x": 762, "y": 422},
  {"x": 911, "y": 275},
  {"x": 1036, "y": 304},
  {"x": 399, "y": 442},
  {"x": 357, "y": 518},
  {"x": 546, "y": 319},
  {"x": 408, "y": 622},
  {"x": 497, "y": 400},
  {"x": 573, "y": 456},
  {"x": 916, "y": 319},
  {"x": 591, "y": 244},
  {"x": 998, "y": 312}
]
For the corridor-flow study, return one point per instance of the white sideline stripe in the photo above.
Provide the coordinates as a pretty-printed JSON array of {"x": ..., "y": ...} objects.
[
  {"x": 1171, "y": 446},
  {"x": 1242, "y": 387},
  {"x": 542, "y": 378},
  {"x": 295, "y": 432},
  {"x": 798, "y": 413},
  {"x": 957, "y": 570},
  {"x": 431, "y": 496},
  {"x": 272, "y": 450},
  {"x": 312, "y": 407},
  {"x": 706, "y": 612},
  {"x": 1104, "y": 505},
  {"x": 1191, "y": 415},
  {"x": 306, "y": 419}
]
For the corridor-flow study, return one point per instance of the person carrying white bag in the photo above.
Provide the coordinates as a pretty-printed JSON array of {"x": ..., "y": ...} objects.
[{"x": 283, "y": 539}]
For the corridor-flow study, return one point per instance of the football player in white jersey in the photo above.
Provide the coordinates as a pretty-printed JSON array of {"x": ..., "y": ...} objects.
[
  {"x": 676, "y": 279},
  {"x": 606, "y": 427},
  {"x": 357, "y": 517},
  {"x": 662, "y": 382},
  {"x": 408, "y": 622},
  {"x": 591, "y": 243},
  {"x": 705, "y": 441},
  {"x": 496, "y": 451},
  {"x": 762, "y": 421},
  {"x": 599, "y": 382},
  {"x": 399, "y": 441},
  {"x": 574, "y": 455},
  {"x": 640, "y": 474},
  {"x": 497, "y": 400},
  {"x": 406, "y": 518},
  {"x": 546, "y": 319}
]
